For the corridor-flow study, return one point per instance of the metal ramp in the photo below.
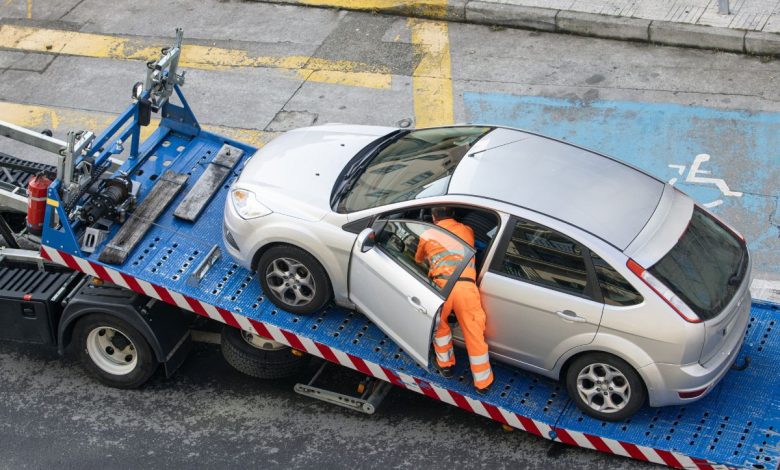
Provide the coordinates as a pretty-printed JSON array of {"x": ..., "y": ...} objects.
[{"x": 736, "y": 425}]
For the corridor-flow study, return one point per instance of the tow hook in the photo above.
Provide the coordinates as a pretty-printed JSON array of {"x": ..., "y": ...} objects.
[{"x": 743, "y": 366}]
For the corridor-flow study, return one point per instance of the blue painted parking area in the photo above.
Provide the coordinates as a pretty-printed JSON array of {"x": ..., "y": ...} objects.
[{"x": 727, "y": 160}]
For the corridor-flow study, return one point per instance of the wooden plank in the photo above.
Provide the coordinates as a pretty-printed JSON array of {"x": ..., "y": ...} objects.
[
  {"x": 209, "y": 183},
  {"x": 136, "y": 226}
]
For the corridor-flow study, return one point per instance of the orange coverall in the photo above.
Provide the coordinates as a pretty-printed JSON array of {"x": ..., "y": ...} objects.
[{"x": 464, "y": 300}]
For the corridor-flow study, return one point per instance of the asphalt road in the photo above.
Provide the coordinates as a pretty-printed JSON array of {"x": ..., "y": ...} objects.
[{"x": 262, "y": 69}]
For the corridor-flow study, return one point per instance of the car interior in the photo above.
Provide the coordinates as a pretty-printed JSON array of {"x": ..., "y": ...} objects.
[{"x": 483, "y": 222}]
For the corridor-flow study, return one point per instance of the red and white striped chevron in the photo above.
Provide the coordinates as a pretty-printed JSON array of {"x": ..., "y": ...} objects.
[{"x": 400, "y": 379}]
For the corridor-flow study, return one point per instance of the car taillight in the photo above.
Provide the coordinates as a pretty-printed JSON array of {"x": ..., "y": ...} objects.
[
  {"x": 692, "y": 393},
  {"x": 664, "y": 292}
]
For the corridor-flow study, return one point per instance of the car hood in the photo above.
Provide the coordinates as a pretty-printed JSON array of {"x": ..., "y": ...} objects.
[{"x": 294, "y": 174}]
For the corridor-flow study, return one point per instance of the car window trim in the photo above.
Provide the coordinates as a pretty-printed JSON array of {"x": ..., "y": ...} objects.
[{"x": 592, "y": 290}]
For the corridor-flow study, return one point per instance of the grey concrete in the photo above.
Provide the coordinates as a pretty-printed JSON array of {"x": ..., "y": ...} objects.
[
  {"x": 516, "y": 16},
  {"x": 760, "y": 43},
  {"x": 615, "y": 27},
  {"x": 704, "y": 37}
]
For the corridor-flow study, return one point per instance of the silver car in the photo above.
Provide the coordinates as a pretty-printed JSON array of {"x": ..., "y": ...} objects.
[{"x": 590, "y": 271}]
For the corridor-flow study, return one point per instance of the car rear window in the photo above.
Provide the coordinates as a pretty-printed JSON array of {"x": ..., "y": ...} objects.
[{"x": 706, "y": 266}]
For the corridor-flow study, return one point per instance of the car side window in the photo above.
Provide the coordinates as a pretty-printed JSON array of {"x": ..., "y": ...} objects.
[
  {"x": 543, "y": 256},
  {"x": 401, "y": 240},
  {"x": 614, "y": 287}
]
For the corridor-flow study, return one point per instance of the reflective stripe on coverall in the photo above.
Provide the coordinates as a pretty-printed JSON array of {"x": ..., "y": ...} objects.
[{"x": 464, "y": 299}]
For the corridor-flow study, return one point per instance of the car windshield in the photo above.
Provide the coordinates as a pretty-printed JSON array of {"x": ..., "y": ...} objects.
[
  {"x": 414, "y": 165},
  {"x": 706, "y": 267}
]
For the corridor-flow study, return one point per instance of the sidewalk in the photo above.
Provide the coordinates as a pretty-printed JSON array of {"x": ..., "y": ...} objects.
[{"x": 752, "y": 27}]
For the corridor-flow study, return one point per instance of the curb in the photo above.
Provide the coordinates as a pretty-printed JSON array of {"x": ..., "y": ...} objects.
[{"x": 565, "y": 21}]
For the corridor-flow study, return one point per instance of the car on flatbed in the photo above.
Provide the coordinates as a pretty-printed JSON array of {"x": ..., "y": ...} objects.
[{"x": 590, "y": 271}]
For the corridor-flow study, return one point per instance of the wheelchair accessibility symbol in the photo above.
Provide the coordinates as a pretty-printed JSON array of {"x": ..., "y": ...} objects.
[{"x": 693, "y": 177}]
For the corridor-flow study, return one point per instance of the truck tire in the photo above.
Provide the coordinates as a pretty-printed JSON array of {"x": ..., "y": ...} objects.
[
  {"x": 259, "y": 357},
  {"x": 293, "y": 279},
  {"x": 114, "y": 352}
]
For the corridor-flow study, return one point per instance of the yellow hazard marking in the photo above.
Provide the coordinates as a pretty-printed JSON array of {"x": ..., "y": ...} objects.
[
  {"x": 432, "y": 78},
  {"x": 52, "y": 202},
  {"x": 103, "y": 46},
  {"x": 67, "y": 119},
  {"x": 428, "y": 8},
  {"x": 29, "y": 9}
]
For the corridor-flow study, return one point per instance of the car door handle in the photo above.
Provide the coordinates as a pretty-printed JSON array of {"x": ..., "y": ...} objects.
[
  {"x": 416, "y": 304},
  {"x": 568, "y": 315}
]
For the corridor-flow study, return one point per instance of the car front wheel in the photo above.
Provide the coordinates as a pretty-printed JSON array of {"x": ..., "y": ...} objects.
[
  {"x": 605, "y": 387},
  {"x": 293, "y": 279}
]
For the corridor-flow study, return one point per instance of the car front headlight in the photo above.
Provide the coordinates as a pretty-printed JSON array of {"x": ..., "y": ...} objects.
[{"x": 246, "y": 204}]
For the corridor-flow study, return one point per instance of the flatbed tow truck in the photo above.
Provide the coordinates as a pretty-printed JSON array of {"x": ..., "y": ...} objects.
[{"x": 132, "y": 241}]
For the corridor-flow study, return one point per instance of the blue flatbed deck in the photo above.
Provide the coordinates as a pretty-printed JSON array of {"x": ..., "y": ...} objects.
[{"x": 736, "y": 425}]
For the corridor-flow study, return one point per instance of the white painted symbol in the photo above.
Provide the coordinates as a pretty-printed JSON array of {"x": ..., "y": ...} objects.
[{"x": 693, "y": 177}]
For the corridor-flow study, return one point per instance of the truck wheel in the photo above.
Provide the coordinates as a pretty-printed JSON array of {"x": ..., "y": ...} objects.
[
  {"x": 259, "y": 357},
  {"x": 293, "y": 279},
  {"x": 605, "y": 387},
  {"x": 114, "y": 352}
]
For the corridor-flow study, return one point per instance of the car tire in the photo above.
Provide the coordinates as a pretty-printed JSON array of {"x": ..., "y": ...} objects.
[
  {"x": 293, "y": 280},
  {"x": 605, "y": 387},
  {"x": 113, "y": 351},
  {"x": 258, "y": 357}
]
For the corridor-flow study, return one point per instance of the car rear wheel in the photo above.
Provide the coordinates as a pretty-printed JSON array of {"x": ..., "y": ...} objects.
[
  {"x": 293, "y": 279},
  {"x": 605, "y": 387}
]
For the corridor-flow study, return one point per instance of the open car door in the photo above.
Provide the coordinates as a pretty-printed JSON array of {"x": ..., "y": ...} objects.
[{"x": 395, "y": 291}]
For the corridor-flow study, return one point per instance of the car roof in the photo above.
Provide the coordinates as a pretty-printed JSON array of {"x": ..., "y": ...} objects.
[{"x": 598, "y": 194}]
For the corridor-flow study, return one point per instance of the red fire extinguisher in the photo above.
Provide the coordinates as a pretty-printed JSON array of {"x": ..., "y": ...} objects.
[{"x": 36, "y": 202}]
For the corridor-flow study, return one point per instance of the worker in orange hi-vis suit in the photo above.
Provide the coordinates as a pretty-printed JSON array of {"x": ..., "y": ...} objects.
[{"x": 464, "y": 298}]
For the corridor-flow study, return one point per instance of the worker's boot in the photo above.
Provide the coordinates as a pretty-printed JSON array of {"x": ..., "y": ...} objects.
[
  {"x": 484, "y": 391},
  {"x": 445, "y": 372}
]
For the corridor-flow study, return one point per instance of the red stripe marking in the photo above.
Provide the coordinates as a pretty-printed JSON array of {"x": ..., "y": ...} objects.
[
  {"x": 633, "y": 450},
  {"x": 293, "y": 340},
  {"x": 360, "y": 364},
  {"x": 261, "y": 329},
  {"x": 394, "y": 379},
  {"x": 703, "y": 464},
  {"x": 530, "y": 426},
  {"x": 669, "y": 458},
  {"x": 494, "y": 413},
  {"x": 599, "y": 443},
  {"x": 327, "y": 353},
  {"x": 565, "y": 437},
  {"x": 229, "y": 318},
  {"x": 132, "y": 283},
  {"x": 460, "y": 400},
  {"x": 72, "y": 264},
  {"x": 165, "y": 296},
  {"x": 426, "y": 388},
  {"x": 101, "y": 272},
  {"x": 196, "y": 306},
  {"x": 44, "y": 254}
]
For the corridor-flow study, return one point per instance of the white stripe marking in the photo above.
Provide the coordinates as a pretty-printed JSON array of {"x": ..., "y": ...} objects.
[
  {"x": 615, "y": 447},
  {"x": 443, "y": 341},
  {"x": 477, "y": 360},
  {"x": 181, "y": 302},
  {"x": 444, "y": 395},
  {"x": 377, "y": 371},
  {"x": 581, "y": 440},
  {"x": 511, "y": 419},
  {"x": 343, "y": 359},
  {"x": 147, "y": 288},
  {"x": 117, "y": 278},
  {"x": 544, "y": 429},
  {"x": 55, "y": 256},
  {"x": 477, "y": 407},
  {"x": 276, "y": 334},
  {"x": 85, "y": 267},
  {"x": 409, "y": 382},
  {"x": 684, "y": 460},
  {"x": 651, "y": 455},
  {"x": 768, "y": 291},
  {"x": 212, "y": 312},
  {"x": 245, "y": 325},
  {"x": 310, "y": 347}
]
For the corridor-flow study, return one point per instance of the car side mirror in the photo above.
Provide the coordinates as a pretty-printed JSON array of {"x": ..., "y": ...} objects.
[{"x": 366, "y": 240}]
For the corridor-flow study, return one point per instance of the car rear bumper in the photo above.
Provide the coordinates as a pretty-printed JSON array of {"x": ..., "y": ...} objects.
[{"x": 666, "y": 382}]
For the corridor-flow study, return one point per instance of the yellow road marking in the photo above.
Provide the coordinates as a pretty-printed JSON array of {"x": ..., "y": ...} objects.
[
  {"x": 67, "y": 119},
  {"x": 103, "y": 46},
  {"x": 29, "y": 9},
  {"x": 432, "y": 78},
  {"x": 429, "y": 8}
]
